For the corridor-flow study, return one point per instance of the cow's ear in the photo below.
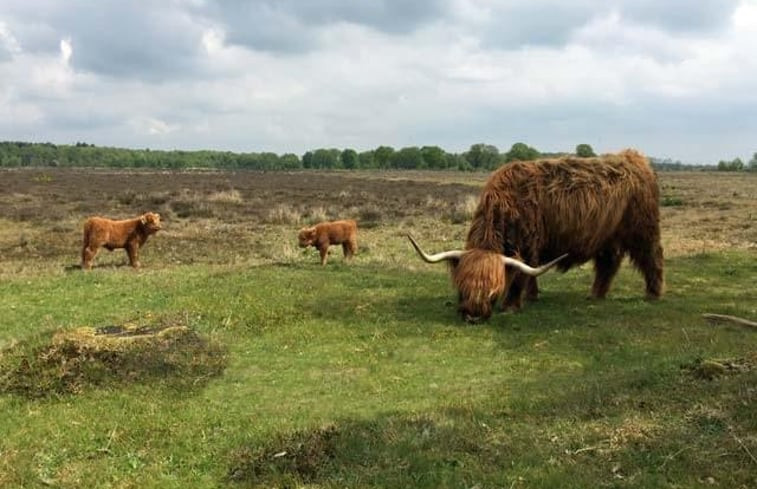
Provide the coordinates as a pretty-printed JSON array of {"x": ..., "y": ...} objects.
[{"x": 143, "y": 219}]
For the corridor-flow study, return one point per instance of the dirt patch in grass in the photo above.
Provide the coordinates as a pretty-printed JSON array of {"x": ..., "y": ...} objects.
[
  {"x": 71, "y": 361},
  {"x": 302, "y": 455},
  {"x": 389, "y": 451}
]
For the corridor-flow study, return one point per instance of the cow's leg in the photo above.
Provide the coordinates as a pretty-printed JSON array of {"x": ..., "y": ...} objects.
[
  {"x": 324, "y": 250},
  {"x": 606, "y": 265},
  {"x": 88, "y": 254},
  {"x": 532, "y": 289},
  {"x": 132, "y": 249},
  {"x": 648, "y": 259},
  {"x": 519, "y": 284},
  {"x": 514, "y": 294}
]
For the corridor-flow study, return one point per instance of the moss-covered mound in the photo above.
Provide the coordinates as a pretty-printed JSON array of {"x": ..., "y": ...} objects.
[
  {"x": 710, "y": 369},
  {"x": 70, "y": 361}
]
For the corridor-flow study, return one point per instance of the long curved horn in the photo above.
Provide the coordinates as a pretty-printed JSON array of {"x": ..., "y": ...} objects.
[
  {"x": 534, "y": 272},
  {"x": 444, "y": 255}
]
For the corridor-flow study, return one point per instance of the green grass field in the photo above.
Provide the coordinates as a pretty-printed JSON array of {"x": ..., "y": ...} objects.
[{"x": 362, "y": 375}]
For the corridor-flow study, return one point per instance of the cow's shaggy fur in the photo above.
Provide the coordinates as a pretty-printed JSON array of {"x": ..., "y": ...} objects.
[
  {"x": 325, "y": 234},
  {"x": 597, "y": 209},
  {"x": 129, "y": 234},
  {"x": 480, "y": 280}
]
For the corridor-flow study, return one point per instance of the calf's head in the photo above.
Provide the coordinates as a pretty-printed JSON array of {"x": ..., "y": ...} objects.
[
  {"x": 150, "y": 222},
  {"x": 480, "y": 277},
  {"x": 306, "y": 237}
]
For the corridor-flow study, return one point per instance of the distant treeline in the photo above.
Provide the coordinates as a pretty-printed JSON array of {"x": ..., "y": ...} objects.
[{"x": 478, "y": 157}]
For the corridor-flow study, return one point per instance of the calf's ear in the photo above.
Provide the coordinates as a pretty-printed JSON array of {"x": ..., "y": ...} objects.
[{"x": 143, "y": 219}]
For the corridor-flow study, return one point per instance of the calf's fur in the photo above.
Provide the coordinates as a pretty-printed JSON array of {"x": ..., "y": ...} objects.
[
  {"x": 325, "y": 234},
  {"x": 129, "y": 234}
]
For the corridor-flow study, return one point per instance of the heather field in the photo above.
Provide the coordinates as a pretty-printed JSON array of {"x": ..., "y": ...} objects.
[{"x": 232, "y": 359}]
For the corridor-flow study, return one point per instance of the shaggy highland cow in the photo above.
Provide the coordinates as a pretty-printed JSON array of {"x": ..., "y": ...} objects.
[
  {"x": 597, "y": 209},
  {"x": 129, "y": 234},
  {"x": 325, "y": 234}
]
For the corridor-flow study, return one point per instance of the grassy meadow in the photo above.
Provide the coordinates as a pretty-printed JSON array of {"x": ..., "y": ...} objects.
[{"x": 289, "y": 374}]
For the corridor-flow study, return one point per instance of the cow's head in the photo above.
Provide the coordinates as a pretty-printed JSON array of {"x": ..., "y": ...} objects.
[
  {"x": 150, "y": 222},
  {"x": 306, "y": 237},
  {"x": 480, "y": 277}
]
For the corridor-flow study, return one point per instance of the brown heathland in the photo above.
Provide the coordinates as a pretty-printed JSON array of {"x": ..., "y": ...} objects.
[{"x": 217, "y": 217}]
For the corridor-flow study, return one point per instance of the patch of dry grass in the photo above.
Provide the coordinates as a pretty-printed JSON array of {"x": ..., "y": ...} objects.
[
  {"x": 70, "y": 361},
  {"x": 316, "y": 214},
  {"x": 463, "y": 210},
  {"x": 231, "y": 196},
  {"x": 283, "y": 214}
]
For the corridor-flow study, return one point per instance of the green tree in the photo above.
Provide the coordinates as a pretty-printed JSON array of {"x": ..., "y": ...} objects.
[
  {"x": 483, "y": 156},
  {"x": 521, "y": 152},
  {"x": 307, "y": 160},
  {"x": 409, "y": 158},
  {"x": 753, "y": 163},
  {"x": 458, "y": 162},
  {"x": 382, "y": 156},
  {"x": 734, "y": 165},
  {"x": 326, "y": 158},
  {"x": 367, "y": 160},
  {"x": 433, "y": 157},
  {"x": 349, "y": 159},
  {"x": 585, "y": 151},
  {"x": 290, "y": 161}
]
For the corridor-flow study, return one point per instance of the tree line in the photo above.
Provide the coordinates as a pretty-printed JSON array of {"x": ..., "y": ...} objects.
[{"x": 478, "y": 157}]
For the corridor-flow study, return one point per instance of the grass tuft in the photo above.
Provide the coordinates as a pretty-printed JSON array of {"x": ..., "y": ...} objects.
[
  {"x": 671, "y": 201},
  {"x": 463, "y": 210},
  {"x": 231, "y": 196},
  {"x": 283, "y": 214},
  {"x": 73, "y": 360}
]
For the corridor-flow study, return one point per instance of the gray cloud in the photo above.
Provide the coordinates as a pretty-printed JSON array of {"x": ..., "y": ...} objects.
[
  {"x": 150, "y": 40},
  {"x": 673, "y": 78},
  {"x": 700, "y": 16},
  {"x": 291, "y": 26},
  {"x": 128, "y": 40},
  {"x": 554, "y": 22}
]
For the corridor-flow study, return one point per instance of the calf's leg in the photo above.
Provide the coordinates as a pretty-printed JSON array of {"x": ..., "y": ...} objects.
[
  {"x": 132, "y": 249},
  {"x": 324, "y": 250},
  {"x": 349, "y": 248}
]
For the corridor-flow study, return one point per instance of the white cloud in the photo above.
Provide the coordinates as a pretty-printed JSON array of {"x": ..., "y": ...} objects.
[
  {"x": 8, "y": 41},
  {"x": 66, "y": 50},
  {"x": 152, "y": 126}
]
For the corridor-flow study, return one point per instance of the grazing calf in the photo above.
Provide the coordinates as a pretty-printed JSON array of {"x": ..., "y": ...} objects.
[
  {"x": 325, "y": 234},
  {"x": 129, "y": 234}
]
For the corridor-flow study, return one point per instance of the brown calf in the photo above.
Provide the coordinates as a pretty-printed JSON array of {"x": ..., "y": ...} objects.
[
  {"x": 325, "y": 234},
  {"x": 129, "y": 234}
]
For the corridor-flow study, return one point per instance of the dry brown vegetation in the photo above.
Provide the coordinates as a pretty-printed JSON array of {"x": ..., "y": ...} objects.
[
  {"x": 252, "y": 217},
  {"x": 72, "y": 360}
]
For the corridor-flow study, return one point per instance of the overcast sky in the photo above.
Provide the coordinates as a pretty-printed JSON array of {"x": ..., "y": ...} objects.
[{"x": 673, "y": 78}]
